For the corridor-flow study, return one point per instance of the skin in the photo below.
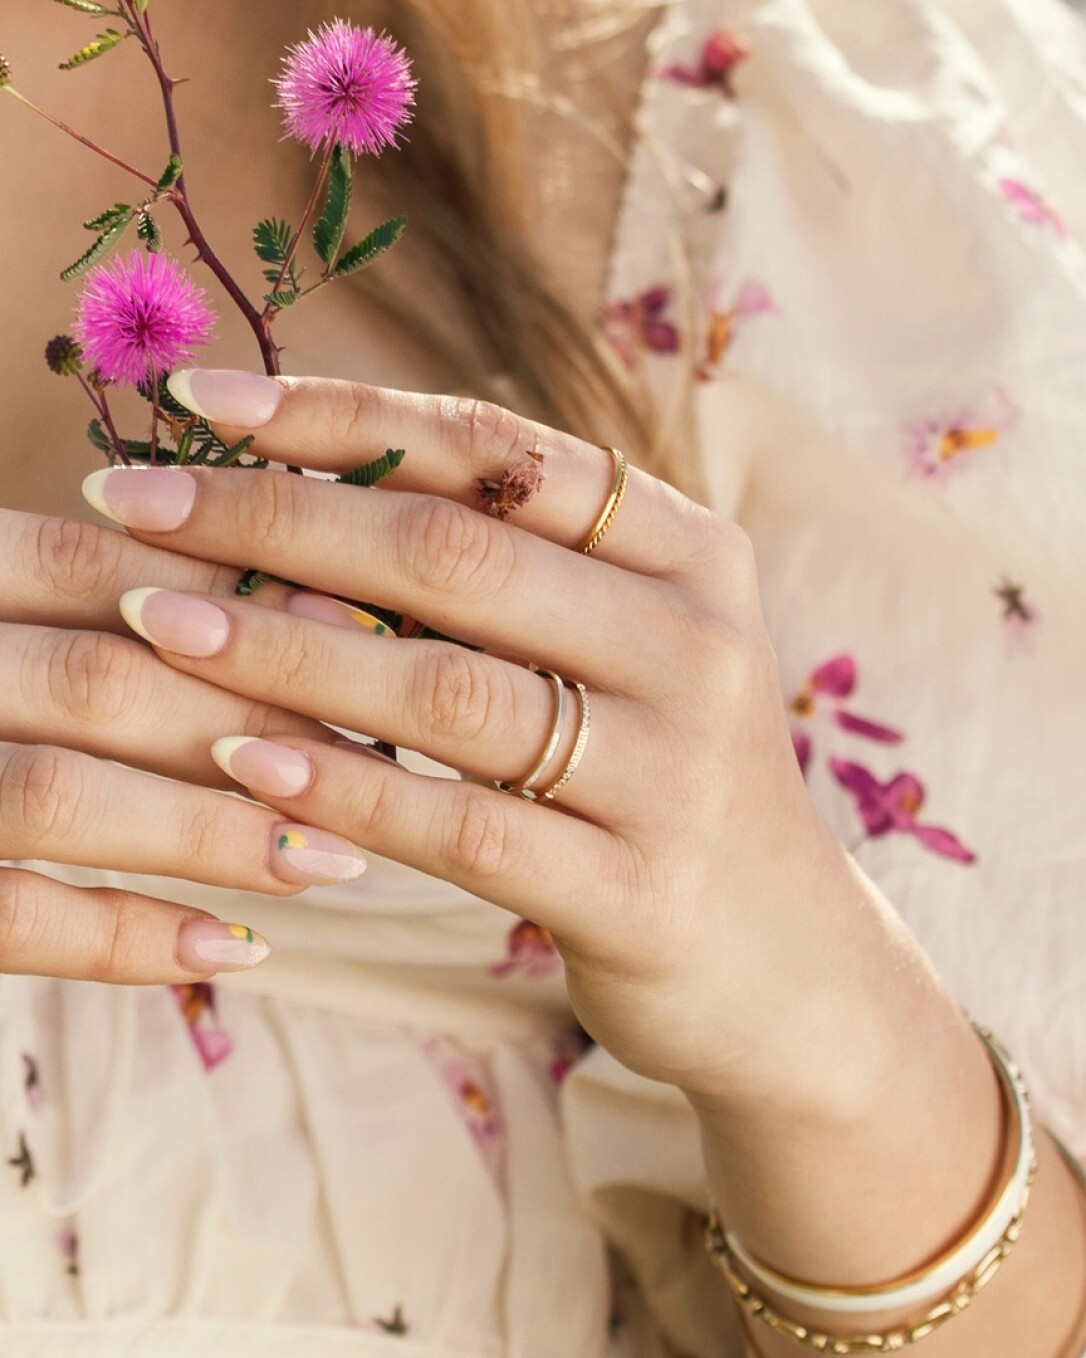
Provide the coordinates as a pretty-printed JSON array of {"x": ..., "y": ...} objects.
[{"x": 761, "y": 974}]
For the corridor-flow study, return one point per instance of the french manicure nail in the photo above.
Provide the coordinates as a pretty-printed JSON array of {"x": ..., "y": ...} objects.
[
  {"x": 322, "y": 608},
  {"x": 155, "y": 499},
  {"x": 227, "y": 395},
  {"x": 263, "y": 766},
  {"x": 206, "y": 944},
  {"x": 176, "y": 622},
  {"x": 308, "y": 857}
]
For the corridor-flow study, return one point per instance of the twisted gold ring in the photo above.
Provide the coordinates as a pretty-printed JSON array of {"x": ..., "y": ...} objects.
[{"x": 614, "y": 500}]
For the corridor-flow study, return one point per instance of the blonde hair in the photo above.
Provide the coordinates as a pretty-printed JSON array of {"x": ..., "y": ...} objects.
[{"x": 467, "y": 181}]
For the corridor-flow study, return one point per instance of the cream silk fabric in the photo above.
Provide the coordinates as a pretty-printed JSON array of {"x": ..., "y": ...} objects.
[{"x": 377, "y": 1144}]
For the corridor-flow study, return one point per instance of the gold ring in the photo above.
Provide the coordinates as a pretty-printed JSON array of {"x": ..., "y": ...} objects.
[
  {"x": 523, "y": 786},
  {"x": 578, "y": 749},
  {"x": 610, "y": 509}
]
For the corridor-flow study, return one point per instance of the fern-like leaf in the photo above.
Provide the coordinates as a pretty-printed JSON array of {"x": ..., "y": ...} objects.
[
  {"x": 170, "y": 175},
  {"x": 272, "y": 239},
  {"x": 380, "y": 239},
  {"x": 375, "y": 471},
  {"x": 86, "y": 6},
  {"x": 281, "y": 299},
  {"x": 112, "y": 215},
  {"x": 103, "y": 43},
  {"x": 101, "y": 247},
  {"x": 330, "y": 226},
  {"x": 148, "y": 231}
]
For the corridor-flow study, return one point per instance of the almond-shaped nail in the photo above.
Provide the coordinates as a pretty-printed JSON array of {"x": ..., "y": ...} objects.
[
  {"x": 176, "y": 622},
  {"x": 211, "y": 945},
  {"x": 264, "y": 766},
  {"x": 323, "y": 608},
  {"x": 308, "y": 857},
  {"x": 154, "y": 499},
  {"x": 227, "y": 395}
]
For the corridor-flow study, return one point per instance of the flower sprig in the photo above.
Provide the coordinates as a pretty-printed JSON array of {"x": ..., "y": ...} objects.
[{"x": 344, "y": 92}]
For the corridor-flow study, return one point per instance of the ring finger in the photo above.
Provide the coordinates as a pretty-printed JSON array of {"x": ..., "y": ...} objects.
[{"x": 474, "y": 712}]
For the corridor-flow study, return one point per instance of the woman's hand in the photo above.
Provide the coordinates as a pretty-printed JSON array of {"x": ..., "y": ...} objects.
[
  {"x": 699, "y": 900},
  {"x": 73, "y": 698}
]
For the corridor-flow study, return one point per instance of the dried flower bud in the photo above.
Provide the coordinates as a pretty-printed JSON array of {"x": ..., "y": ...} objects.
[
  {"x": 64, "y": 355},
  {"x": 5, "y": 71},
  {"x": 500, "y": 496}
]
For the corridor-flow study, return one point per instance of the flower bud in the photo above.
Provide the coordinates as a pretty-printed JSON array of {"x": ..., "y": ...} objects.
[
  {"x": 64, "y": 355},
  {"x": 5, "y": 71}
]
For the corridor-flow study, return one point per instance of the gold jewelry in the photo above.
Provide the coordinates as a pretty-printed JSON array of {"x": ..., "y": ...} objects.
[
  {"x": 578, "y": 749},
  {"x": 522, "y": 788},
  {"x": 977, "y": 1271},
  {"x": 610, "y": 509}
]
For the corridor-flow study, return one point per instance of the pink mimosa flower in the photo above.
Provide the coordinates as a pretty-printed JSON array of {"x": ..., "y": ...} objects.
[
  {"x": 885, "y": 807},
  {"x": 346, "y": 84},
  {"x": 141, "y": 316},
  {"x": 531, "y": 951}
]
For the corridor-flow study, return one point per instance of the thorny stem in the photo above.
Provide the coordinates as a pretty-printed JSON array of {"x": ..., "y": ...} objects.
[
  {"x": 86, "y": 141},
  {"x": 102, "y": 404}
]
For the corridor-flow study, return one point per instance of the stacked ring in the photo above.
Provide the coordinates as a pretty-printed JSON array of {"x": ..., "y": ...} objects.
[
  {"x": 614, "y": 500},
  {"x": 522, "y": 787}
]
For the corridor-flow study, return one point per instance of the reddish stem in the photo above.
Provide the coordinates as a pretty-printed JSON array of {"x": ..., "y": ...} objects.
[
  {"x": 103, "y": 405},
  {"x": 310, "y": 208},
  {"x": 78, "y": 136}
]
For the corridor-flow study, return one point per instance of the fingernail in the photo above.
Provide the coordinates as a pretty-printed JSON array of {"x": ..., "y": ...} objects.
[
  {"x": 176, "y": 622},
  {"x": 321, "y": 608},
  {"x": 206, "y": 944},
  {"x": 156, "y": 499},
  {"x": 309, "y": 857},
  {"x": 245, "y": 399},
  {"x": 264, "y": 766}
]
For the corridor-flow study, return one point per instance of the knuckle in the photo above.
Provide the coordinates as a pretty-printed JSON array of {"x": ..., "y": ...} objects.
[
  {"x": 354, "y": 418},
  {"x": 452, "y": 550},
  {"x": 478, "y": 842},
  {"x": 114, "y": 948},
  {"x": 77, "y": 559},
  {"x": 91, "y": 677},
  {"x": 267, "y": 514},
  {"x": 493, "y": 434},
  {"x": 451, "y": 695},
  {"x": 200, "y": 837},
  {"x": 40, "y": 792}
]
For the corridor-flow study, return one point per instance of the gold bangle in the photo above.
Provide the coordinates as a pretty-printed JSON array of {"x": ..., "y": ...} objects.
[{"x": 610, "y": 509}]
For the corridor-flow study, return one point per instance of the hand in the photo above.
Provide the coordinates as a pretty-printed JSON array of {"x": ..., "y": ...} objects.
[
  {"x": 75, "y": 697},
  {"x": 696, "y": 895}
]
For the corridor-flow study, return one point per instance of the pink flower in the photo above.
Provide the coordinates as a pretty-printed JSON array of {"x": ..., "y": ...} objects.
[
  {"x": 834, "y": 680},
  {"x": 346, "y": 84},
  {"x": 721, "y": 53},
  {"x": 141, "y": 316},
  {"x": 939, "y": 446},
  {"x": 197, "y": 1003},
  {"x": 531, "y": 951},
  {"x": 641, "y": 323},
  {"x": 884, "y": 807},
  {"x": 1030, "y": 206}
]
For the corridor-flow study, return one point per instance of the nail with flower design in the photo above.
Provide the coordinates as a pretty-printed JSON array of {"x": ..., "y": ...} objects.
[
  {"x": 721, "y": 53},
  {"x": 640, "y": 324},
  {"x": 893, "y": 806},
  {"x": 752, "y": 299},
  {"x": 941, "y": 443}
]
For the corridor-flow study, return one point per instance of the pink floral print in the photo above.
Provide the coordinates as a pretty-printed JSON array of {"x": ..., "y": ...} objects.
[
  {"x": 1031, "y": 207},
  {"x": 197, "y": 1004},
  {"x": 567, "y": 1049},
  {"x": 67, "y": 1243},
  {"x": 828, "y": 685},
  {"x": 468, "y": 1081},
  {"x": 934, "y": 447},
  {"x": 640, "y": 324},
  {"x": 531, "y": 952},
  {"x": 721, "y": 53},
  {"x": 893, "y": 806},
  {"x": 752, "y": 299}
]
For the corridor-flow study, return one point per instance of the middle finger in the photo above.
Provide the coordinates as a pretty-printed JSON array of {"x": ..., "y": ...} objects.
[{"x": 475, "y": 578}]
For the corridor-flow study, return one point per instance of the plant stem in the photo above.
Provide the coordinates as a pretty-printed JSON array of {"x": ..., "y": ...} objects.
[
  {"x": 310, "y": 208},
  {"x": 78, "y": 136},
  {"x": 154, "y": 414},
  {"x": 269, "y": 350},
  {"x": 101, "y": 404}
]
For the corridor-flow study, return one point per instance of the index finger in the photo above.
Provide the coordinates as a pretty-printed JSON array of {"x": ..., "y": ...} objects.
[{"x": 451, "y": 442}]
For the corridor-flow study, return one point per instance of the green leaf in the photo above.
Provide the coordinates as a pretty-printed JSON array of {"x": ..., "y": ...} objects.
[
  {"x": 380, "y": 239},
  {"x": 329, "y": 229},
  {"x": 272, "y": 239},
  {"x": 184, "y": 446},
  {"x": 281, "y": 299},
  {"x": 99, "y": 438},
  {"x": 148, "y": 231},
  {"x": 98, "y": 250},
  {"x": 103, "y": 43},
  {"x": 251, "y": 581},
  {"x": 86, "y": 6},
  {"x": 233, "y": 453},
  {"x": 111, "y": 216},
  {"x": 375, "y": 471},
  {"x": 170, "y": 175}
]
